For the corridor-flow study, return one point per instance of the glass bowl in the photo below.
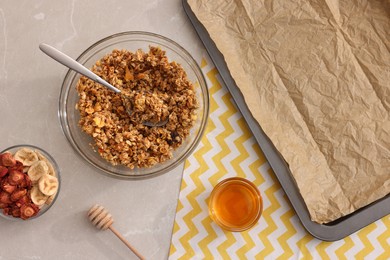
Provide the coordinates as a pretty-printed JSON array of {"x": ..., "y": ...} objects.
[
  {"x": 44, "y": 208},
  {"x": 132, "y": 41},
  {"x": 235, "y": 204}
]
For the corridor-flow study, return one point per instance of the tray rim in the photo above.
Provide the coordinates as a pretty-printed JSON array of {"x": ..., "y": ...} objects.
[{"x": 340, "y": 228}]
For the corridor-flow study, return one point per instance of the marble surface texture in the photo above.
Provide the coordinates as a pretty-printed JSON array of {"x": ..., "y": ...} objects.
[{"x": 30, "y": 84}]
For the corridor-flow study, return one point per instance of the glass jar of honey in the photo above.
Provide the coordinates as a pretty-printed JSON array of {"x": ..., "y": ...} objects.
[{"x": 235, "y": 204}]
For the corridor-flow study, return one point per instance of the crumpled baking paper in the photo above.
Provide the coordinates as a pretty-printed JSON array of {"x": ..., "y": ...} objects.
[{"x": 316, "y": 76}]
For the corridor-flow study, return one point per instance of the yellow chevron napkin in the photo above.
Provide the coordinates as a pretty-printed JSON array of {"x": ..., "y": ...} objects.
[{"x": 228, "y": 149}]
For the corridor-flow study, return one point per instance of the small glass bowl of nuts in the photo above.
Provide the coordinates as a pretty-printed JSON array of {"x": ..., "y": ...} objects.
[{"x": 29, "y": 182}]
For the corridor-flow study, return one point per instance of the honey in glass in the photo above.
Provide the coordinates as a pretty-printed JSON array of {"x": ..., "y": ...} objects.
[{"x": 235, "y": 204}]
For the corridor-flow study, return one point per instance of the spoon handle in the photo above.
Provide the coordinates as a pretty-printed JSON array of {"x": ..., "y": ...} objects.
[{"x": 74, "y": 65}]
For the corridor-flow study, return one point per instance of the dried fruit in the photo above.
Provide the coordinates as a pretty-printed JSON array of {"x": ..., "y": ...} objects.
[
  {"x": 37, "y": 197},
  {"x": 18, "y": 167},
  {"x": 50, "y": 199},
  {"x": 28, "y": 210},
  {"x": 6, "y": 211},
  {"x": 5, "y": 197},
  {"x": 99, "y": 122},
  {"x": 48, "y": 185},
  {"x": 23, "y": 200},
  {"x": 3, "y": 171},
  {"x": 5, "y": 186},
  {"x": 18, "y": 194},
  {"x": 15, "y": 212},
  {"x": 36, "y": 170},
  {"x": 41, "y": 157},
  {"x": 26, "y": 156},
  {"x": 7, "y": 159},
  {"x": 15, "y": 177},
  {"x": 26, "y": 183}
]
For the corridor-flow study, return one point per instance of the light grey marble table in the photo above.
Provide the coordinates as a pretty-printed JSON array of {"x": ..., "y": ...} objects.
[{"x": 30, "y": 84}]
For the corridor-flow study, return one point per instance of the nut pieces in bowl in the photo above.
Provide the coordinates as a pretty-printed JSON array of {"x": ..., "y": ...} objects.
[
  {"x": 28, "y": 182},
  {"x": 159, "y": 89}
]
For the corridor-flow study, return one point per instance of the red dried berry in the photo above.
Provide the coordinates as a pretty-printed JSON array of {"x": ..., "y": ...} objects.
[
  {"x": 8, "y": 160},
  {"x": 24, "y": 200},
  {"x": 18, "y": 194},
  {"x": 28, "y": 211},
  {"x": 8, "y": 187},
  {"x": 6, "y": 211},
  {"x": 15, "y": 212},
  {"x": 5, "y": 197},
  {"x": 15, "y": 177},
  {"x": 3, "y": 171},
  {"x": 3, "y": 205},
  {"x": 26, "y": 183},
  {"x": 18, "y": 167}
]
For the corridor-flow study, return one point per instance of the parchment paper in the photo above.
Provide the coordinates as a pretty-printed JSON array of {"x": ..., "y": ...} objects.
[{"x": 316, "y": 76}]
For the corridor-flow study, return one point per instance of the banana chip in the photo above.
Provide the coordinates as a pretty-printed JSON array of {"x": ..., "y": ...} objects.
[
  {"x": 26, "y": 156},
  {"x": 48, "y": 184},
  {"x": 37, "y": 197},
  {"x": 37, "y": 170},
  {"x": 51, "y": 171}
]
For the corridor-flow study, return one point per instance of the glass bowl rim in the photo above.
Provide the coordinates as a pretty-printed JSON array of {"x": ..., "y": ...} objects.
[
  {"x": 254, "y": 189},
  {"x": 66, "y": 85},
  {"x": 58, "y": 175}
]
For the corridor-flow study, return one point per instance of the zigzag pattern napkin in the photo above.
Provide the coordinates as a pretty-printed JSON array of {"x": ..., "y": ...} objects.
[{"x": 228, "y": 149}]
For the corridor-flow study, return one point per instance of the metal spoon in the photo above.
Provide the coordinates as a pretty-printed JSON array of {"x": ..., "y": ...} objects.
[{"x": 78, "y": 67}]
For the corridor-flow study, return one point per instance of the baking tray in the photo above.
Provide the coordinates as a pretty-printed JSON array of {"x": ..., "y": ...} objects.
[{"x": 332, "y": 231}]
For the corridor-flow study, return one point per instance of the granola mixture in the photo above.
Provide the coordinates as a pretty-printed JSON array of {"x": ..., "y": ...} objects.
[{"x": 157, "y": 89}]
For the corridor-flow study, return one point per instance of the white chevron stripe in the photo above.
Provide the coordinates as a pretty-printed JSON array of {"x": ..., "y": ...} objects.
[
  {"x": 175, "y": 241},
  {"x": 216, "y": 242},
  {"x": 268, "y": 182},
  {"x": 234, "y": 153},
  {"x": 217, "y": 96},
  {"x": 252, "y": 176},
  {"x": 330, "y": 250},
  {"x": 209, "y": 64},
  {"x": 311, "y": 246},
  {"x": 219, "y": 127},
  {"x": 197, "y": 220},
  {"x": 373, "y": 238},
  {"x": 254, "y": 234},
  {"x": 248, "y": 144},
  {"x": 281, "y": 227},
  {"x": 358, "y": 245},
  {"x": 193, "y": 166},
  {"x": 301, "y": 232},
  {"x": 184, "y": 211},
  {"x": 201, "y": 235},
  {"x": 232, "y": 250},
  {"x": 212, "y": 167},
  {"x": 183, "y": 229}
]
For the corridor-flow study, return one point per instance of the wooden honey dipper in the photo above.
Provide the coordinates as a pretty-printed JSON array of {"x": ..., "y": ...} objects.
[{"x": 103, "y": 220}]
